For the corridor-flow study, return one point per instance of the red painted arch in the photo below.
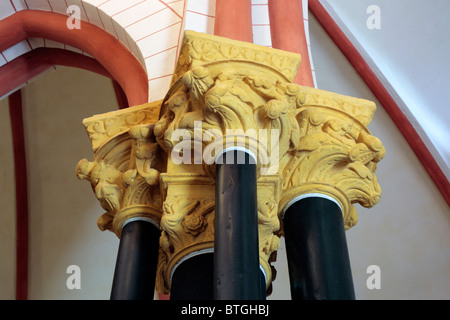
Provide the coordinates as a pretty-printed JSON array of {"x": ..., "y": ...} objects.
[
  {"x": 31, "y": 64},
  {"x": 110, "y": 53}
]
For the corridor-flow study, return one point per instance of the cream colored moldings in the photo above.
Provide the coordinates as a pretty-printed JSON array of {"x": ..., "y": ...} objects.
[
  {"x": 199, "y": 49},
  {"x": 101, "y": 128}
]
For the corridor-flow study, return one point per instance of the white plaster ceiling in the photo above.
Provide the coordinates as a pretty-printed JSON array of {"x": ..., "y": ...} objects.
[{"x": 410, "y": 51}]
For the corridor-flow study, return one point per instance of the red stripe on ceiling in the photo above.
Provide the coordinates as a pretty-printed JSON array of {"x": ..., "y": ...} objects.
[
  {"x": 171, "y": 9},
  {"x": 20, "y": 170},
  {"x": 31, "y": 64},
  {"x": 380, "y": 92}
]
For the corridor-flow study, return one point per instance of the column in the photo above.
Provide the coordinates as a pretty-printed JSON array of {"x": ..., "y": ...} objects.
[
  {"x": 234, "y": 20},
  {"x": 288, "y": 33},
  {"x": 192, "y": 277},
  {"x": 236, "y": 251},
  {"x": 124, "y": 175},
  {"x": 185, "y": 266},
  {"x": 316, "y": 247},
  {"x": 135, "y": 272}
]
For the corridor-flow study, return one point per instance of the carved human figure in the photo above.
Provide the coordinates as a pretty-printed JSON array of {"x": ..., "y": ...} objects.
[{"x": 106, "y": 181}]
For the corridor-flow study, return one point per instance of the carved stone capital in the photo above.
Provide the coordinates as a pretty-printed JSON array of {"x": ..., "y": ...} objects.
[
  {"x": 316, "y": 140},
  {"x": 157, "y": 160},
  {"x": 306, "y": 140},
  {"x": 103, "y": 127},
  {"x": 336, "y": 155},
  {"x": 124, "y": 172},
  {"x": 187, "y": 223}
]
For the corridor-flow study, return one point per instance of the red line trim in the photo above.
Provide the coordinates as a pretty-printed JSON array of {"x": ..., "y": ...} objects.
[
  {"x": 171, "y": 9},
  {"x": 84, "y": 9},
  {"x": 100, "y": 17},
  {"x": 202, "y": 14},
  {"x": 180, "y": 31},
  {"x": 144, "y": 18},
  {"x": 380, "y": 92},
  {"x": 20, "y": 170},
  {"x": 14, "y": 7},
  {"x": 151, "y": 34},
  {"x": 51, "y": 8},
  {"x": 165, "y": 76},
  {"x": 154, "y": 54},
  {"x": 102, "y": 3},
  {"x": 123, "y": 10}
]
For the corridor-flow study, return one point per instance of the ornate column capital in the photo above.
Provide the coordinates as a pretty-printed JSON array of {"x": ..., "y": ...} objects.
[
  {"x": 157, "y": 160},
  {"x": 307, "y": 140},
  {"x": 124, "y": 172}
]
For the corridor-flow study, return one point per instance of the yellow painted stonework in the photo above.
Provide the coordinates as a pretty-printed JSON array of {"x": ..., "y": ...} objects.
[{"x": 231, "y": 88}]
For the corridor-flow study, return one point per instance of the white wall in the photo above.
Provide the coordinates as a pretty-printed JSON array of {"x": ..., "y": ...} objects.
[
  {"x": 410, "y": 48},
  {"x": 408, "y": 232},
  {"x": 62, "y": 210}
]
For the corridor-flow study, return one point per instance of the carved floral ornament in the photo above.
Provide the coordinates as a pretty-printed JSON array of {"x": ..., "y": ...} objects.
[{"x": 306, "y": 140}]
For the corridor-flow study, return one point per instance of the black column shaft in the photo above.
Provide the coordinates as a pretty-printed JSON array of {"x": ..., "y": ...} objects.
[
  {"x": 193, "y": 279},
  {"x": 236, "y": 249},
  {"x": 135, "y": 272},
  {"x": 316, "y": 247}
]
